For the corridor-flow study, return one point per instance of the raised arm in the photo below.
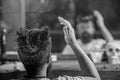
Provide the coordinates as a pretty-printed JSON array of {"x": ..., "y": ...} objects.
[
  {"x": 86, "y": 65},
  {"x": 100, "y": 22}
]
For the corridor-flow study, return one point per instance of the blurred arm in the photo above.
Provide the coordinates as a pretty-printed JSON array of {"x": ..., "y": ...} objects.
[{"x": 100, "y": 22}]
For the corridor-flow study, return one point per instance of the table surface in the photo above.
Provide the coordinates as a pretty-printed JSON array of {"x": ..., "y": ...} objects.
[
  {"x": 59, "y": 65},
  {"x": 64, "y": 62},
  {"x": 65, "y": 65}
]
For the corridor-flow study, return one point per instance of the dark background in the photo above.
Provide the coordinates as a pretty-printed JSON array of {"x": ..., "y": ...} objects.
[
  {"x": 71, "y": 9},
  {"x": 45, "y": 12}
]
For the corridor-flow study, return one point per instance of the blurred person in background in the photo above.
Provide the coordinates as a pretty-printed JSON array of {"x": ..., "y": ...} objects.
[
  {"x": 85, "y": 28},
  {"x": 34, "y": 50}
]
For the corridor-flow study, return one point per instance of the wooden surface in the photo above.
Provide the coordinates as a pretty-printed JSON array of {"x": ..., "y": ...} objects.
[{"x": 65, "y": 65}]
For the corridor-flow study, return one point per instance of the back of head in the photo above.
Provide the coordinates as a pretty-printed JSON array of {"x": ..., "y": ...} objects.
[{"x": 34, "y": 46}]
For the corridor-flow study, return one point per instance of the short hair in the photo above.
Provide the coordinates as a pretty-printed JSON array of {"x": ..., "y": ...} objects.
[
  {"x": 85, "y": 18},
  {"x": 33, "y": 45}
]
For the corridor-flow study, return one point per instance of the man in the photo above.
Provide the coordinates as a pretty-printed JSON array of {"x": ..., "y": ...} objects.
[
  {"x": 34, "y": 48},
  {"x": 86, "y": 31}
]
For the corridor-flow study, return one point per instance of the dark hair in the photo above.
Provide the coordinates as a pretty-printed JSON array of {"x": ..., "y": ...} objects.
[
  {"x": 33, "y": 46},
  {"x": 85, "y": 18}
]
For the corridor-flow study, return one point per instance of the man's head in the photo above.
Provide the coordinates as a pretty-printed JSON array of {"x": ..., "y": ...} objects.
[
  {"x": 34, "y": 46},
  {"x": 85, "y": 27}
]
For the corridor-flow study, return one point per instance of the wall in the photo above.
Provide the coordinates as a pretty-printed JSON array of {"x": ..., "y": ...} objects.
[{"x": 12, "y": 17}]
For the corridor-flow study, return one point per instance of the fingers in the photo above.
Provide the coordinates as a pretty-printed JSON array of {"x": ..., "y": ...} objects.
[
  {"x": 99, "y": 17},
  {"x": 61, "y": 20},
  {"x": 64, "y": 22},
  {"x": 66, "y": 34},
  {"x": 65, "y": 30},
  {"x": 97, "y": 13}
]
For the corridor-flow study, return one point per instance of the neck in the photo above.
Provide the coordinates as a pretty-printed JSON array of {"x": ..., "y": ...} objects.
[{"x": 36, "y": 71}]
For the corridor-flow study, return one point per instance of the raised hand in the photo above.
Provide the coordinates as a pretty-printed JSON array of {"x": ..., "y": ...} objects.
[
  {"x": 100, "y": 22},
  {"x": 99, "y": 17},
  {"x": 86, "y": 64},
  {"x": 68, "y": 31}
]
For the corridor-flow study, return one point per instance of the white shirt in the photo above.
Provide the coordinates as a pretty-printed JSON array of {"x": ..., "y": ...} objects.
[{"x": 93, "y": 48}]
